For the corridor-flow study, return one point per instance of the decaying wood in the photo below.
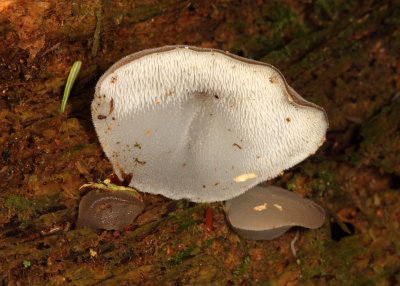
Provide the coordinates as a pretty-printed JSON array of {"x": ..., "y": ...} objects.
[{"x": 342, "y": 55}]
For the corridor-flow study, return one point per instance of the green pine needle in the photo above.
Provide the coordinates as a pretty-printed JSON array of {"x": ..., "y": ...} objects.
[{"x": 73, "y": 73}]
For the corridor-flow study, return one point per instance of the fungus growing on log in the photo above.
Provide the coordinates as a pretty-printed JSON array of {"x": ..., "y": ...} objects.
[
  {"x": 264, "y": 213},
  {"x": 201, "y": 124}
]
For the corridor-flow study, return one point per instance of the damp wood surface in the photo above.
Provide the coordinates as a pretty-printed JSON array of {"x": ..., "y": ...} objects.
[{"x": 341, "y": 55}]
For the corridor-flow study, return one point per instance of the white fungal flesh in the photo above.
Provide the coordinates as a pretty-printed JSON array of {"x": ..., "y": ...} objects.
[{"x": 188, "y": 122}]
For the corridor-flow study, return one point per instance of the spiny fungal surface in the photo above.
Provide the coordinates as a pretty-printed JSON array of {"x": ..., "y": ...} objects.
[{"x": 201, "y": 124}]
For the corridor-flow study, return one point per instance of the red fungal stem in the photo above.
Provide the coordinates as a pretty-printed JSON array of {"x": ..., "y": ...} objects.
[
  {"x": 209, "y": 219},
  {"x": 127, "y": 179},
  {"x": 114, "y": 179}
]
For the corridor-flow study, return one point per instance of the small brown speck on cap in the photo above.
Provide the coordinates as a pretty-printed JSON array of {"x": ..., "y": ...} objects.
[
  {"x": 273, "y": 79},
  {"x": 111, "y": 106}
]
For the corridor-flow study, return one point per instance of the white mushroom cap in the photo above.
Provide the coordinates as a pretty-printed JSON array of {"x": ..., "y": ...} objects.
[
  {"x": 264, "y": 213},
  {"x": 201, "y": 124}
]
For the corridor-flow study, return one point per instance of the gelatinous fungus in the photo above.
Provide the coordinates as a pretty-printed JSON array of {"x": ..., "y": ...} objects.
[
  {"x": 202, "y": 124},
  {"x": 108, "y": 209},
  {"x": 264, "y": 213}
]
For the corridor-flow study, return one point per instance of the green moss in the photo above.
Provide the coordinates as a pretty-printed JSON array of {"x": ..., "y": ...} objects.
[
  {"x": 130, "y": 274},
  {"x": 279, "y": 16},
  {"x": 80, "y": 276},
  {"x": 187, "y": 223},
  {"x": 322, "y": 176},
  {"x": 283, "y": 53},
  {"x": 382, "y": 276},
  {"x": 241, "y": 268},
  {"x": 322, "y": 7},
  {"x": 17, "y": 201},
  {"x": 335, "y": 258},
  {"x": 180, "y": 256},
  {"x": 82, "y": 239},
  {"x": 210, "y": 241},
  {"x": 239, "y": 25},
  {"x": 328, "y": 66},
  {"x": 82, "y": 22},
  {"x": 324, "y": 181},
  {"x": 276, "y": 23},
  {"x": 280, "y": 20},
  {"x": 381, "y": 137},
  {"x": 327, "y": 10},
  {"x": 291, "y": 184},
  {"x": 316, "y": 241},
  {"x": 134, "y": 13},
  {"x": 26, "y": 214},
  {"x": 188, "y": 211},
  {"x": 208, "y": 272},
  {"x": 70, "y": 125}
]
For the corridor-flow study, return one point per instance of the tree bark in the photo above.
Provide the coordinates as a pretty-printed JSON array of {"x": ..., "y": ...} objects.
[{"x": 342, "y": 55}]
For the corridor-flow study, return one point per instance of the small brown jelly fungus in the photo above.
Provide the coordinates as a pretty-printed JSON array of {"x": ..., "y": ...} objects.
[
  {"x": 108, "y": 210},
  {"x": 264, "y": 213}
]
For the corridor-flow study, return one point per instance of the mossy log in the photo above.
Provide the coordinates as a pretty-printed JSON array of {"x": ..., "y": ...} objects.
[{"x": 342, "y": 55}]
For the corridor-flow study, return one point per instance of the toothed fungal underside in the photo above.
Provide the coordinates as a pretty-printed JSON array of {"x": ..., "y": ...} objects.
[{"x": 201, "y": 124}]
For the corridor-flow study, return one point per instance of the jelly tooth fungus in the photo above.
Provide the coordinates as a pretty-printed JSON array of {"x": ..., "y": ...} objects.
[{"x": 202, "y": 124}]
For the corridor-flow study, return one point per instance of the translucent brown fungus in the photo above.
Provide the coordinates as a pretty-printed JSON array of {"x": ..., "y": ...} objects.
[{"x": 264, "y": 213}]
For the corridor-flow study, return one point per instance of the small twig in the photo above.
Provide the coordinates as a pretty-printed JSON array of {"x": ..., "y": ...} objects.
[
  {"x": 395, "y": 97},
  {"x": 56, "y": 46},
  {"x": 292, "y": 244},
  {"x": 97, "y": 31}
]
